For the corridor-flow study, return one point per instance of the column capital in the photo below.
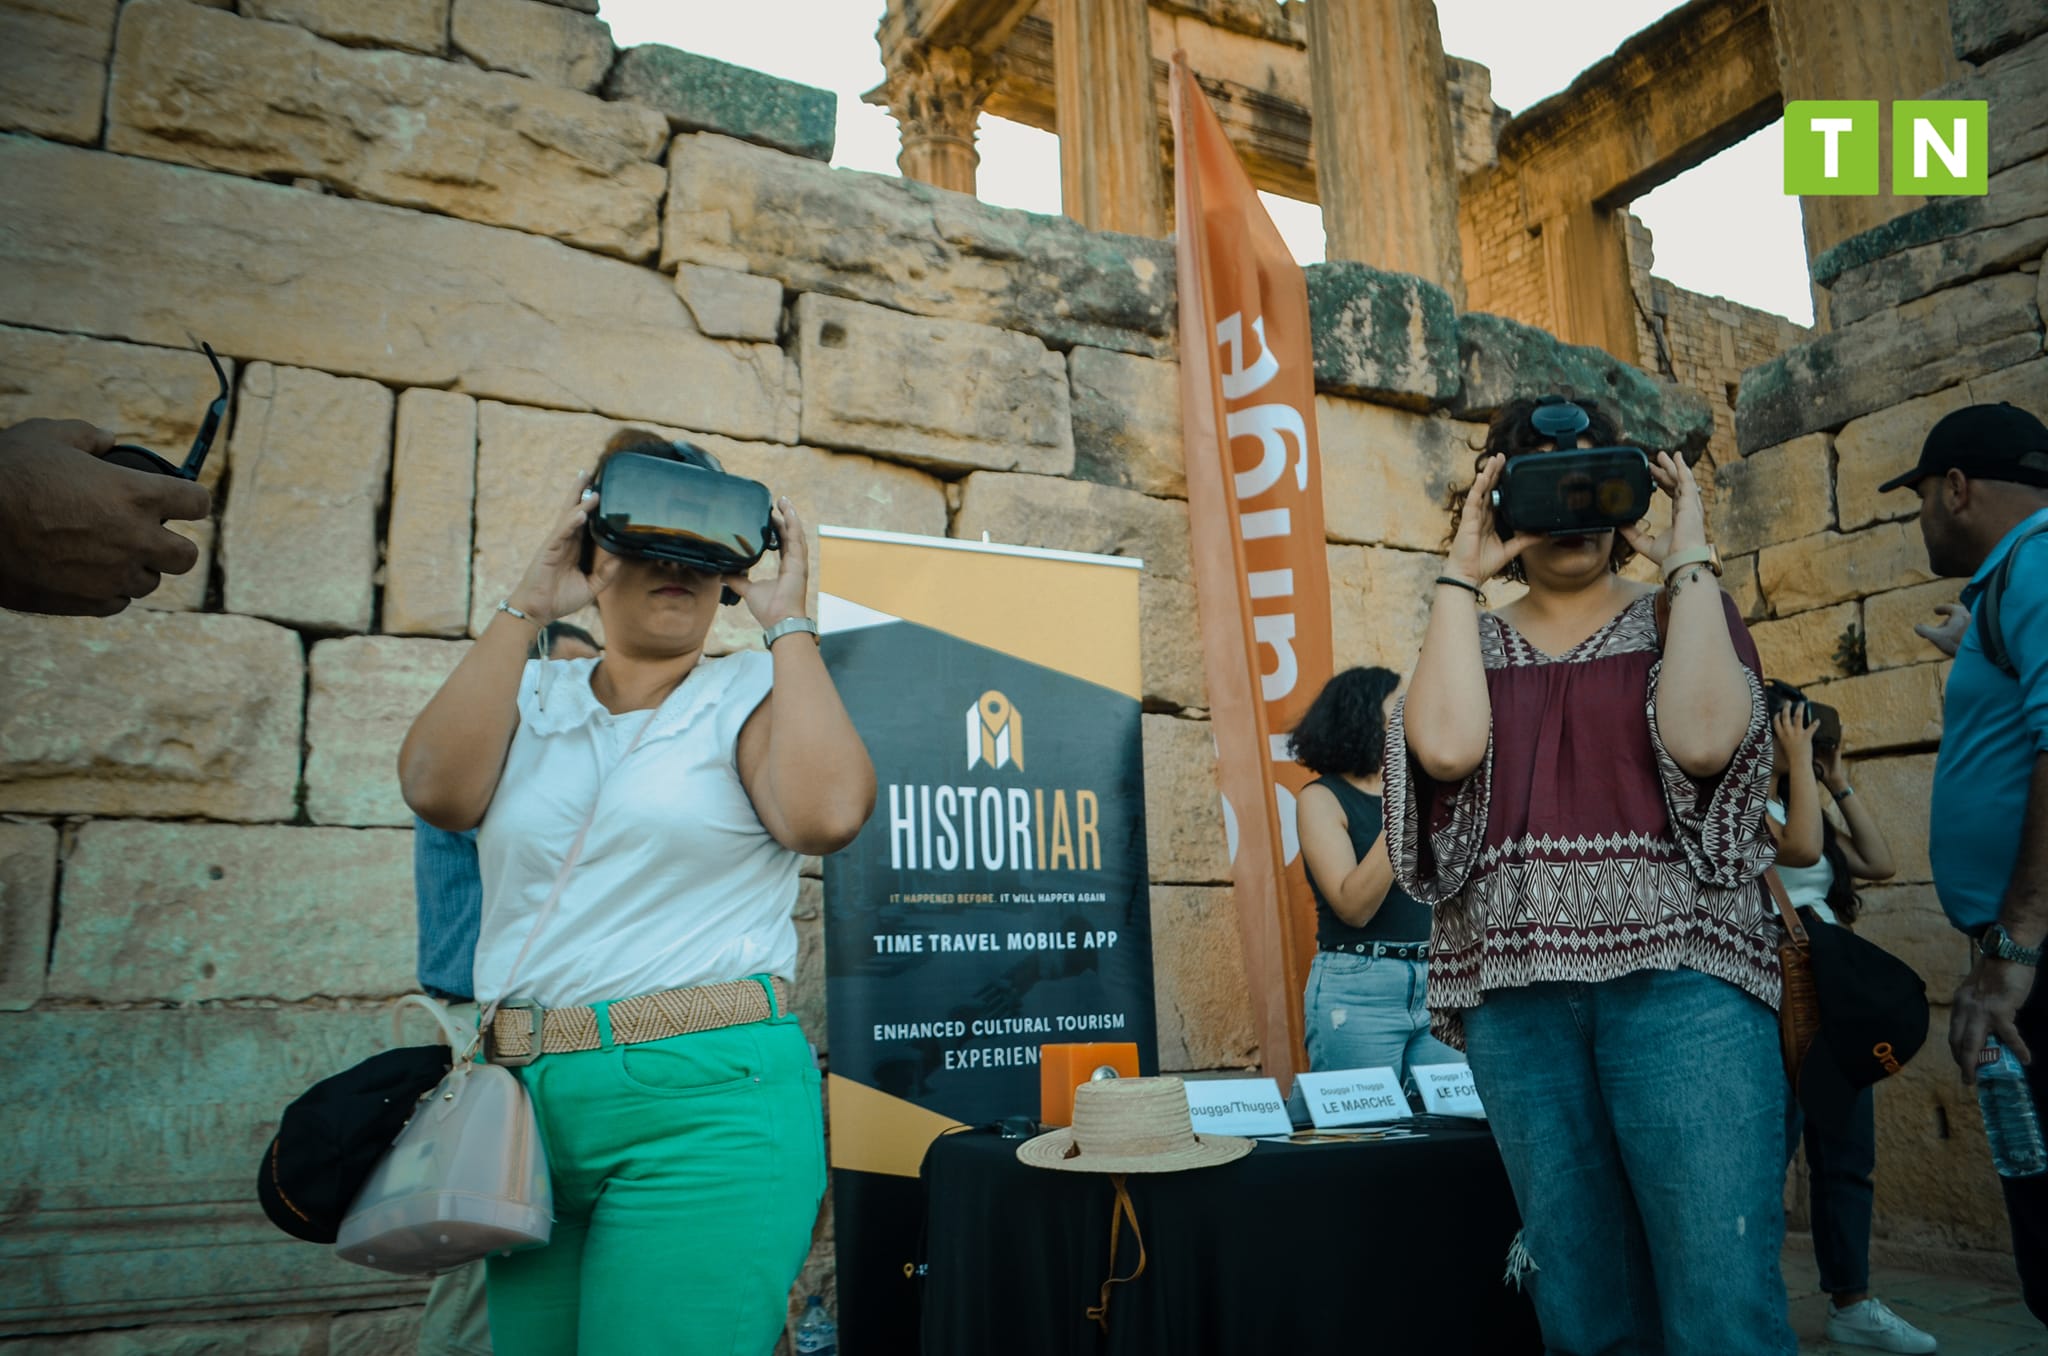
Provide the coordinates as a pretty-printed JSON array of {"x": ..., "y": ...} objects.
[{"x": 935, "y": 95}]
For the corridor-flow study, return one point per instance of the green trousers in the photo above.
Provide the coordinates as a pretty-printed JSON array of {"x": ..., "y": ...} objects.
[{"x": 687, "y": 1176}]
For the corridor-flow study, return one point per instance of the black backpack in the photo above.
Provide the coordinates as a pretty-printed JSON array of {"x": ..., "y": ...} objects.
[{"x": 1989, "y": 634}]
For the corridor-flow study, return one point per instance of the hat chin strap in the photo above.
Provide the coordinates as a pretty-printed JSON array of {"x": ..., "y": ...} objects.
[{"x": 1119, "y": 1211}]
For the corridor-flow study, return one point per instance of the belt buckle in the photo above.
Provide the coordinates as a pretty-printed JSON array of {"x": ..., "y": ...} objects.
[{"x": 534, "y": 1018}]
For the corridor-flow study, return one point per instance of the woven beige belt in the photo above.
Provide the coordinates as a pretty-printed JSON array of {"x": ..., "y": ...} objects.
[{"x": 650, "y": 1017}]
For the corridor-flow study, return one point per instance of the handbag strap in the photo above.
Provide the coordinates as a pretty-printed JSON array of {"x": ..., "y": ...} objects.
[
  {"x": 1793, "y": 926},
  {"x": 547, "y": 910}
]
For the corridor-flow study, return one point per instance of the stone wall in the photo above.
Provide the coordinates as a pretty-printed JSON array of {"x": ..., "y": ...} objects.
[
  {"x": 1938, "y": 309},
  {"x": 444, "y": 271}
]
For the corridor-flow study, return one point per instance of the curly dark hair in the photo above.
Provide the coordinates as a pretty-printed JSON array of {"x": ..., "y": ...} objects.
[
  {"x": 1842, "y": 900},
  {"x": 1344, "y": 729},
  {"x": 1511, "y": 432}
]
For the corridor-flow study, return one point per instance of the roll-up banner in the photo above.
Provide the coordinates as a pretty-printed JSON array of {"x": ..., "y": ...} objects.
[
  {"x": 1255, "y": 520},
  {"x": 997, "y": 899}
]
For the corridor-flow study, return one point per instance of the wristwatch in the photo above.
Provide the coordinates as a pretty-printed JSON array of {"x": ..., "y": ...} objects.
[
  {"x": 787, "y": 626},
  {"x": 1998, "y": 944},
  {"x": 1709, "y": 556}
]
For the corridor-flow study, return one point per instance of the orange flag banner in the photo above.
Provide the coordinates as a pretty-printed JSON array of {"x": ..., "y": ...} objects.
[{"x": 1255, "y": 510}]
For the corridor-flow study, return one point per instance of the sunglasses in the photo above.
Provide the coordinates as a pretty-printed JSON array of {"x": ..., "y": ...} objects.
[{"x": 142, "y": 459}]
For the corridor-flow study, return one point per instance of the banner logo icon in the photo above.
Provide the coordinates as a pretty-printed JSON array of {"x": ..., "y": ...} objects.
[{"x": 995, "y": 732}]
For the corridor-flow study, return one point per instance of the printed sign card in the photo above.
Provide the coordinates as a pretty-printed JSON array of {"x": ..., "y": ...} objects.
[
  {"x": 1447, "y": 1090},
  {"x": 1353, "y": 1097},
  {"x": 1237, "y": 1106}
]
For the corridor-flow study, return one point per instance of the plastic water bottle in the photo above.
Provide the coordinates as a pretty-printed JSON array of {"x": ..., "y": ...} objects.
[
  {"x": 817, "y": 1335},
  {"x": 2009, "y": 1119}
]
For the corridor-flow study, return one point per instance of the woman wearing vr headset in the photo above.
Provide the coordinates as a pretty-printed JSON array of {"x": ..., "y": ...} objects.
[
  {"x": 1819, "y": 866},
  {"x": 642, "y": 819},
  {"x": 1579, "y": 792}
]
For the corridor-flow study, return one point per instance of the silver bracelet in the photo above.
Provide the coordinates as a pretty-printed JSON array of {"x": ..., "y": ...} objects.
[
  {"x": 505, "y": 605},
  {"x": 787, "y": 626}
]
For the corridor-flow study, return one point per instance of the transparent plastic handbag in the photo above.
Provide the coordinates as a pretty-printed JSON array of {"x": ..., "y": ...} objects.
[{"x": 465, "y": 1178}]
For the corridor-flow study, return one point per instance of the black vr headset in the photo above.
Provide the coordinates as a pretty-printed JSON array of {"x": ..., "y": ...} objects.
[
  {"x": 1570, "y": 492},
  {"x": 689, "y": 512}
]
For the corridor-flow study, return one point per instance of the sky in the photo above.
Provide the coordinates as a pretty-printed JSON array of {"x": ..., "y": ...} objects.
[{"x": 1725, "y": 228}]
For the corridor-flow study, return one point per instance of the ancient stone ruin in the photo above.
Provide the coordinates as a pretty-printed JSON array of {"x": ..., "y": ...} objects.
[{"x": 450, "y": 245}]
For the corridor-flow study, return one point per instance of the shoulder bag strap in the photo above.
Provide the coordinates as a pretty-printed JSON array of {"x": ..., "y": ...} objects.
[{"x": 1793, "y": 925}]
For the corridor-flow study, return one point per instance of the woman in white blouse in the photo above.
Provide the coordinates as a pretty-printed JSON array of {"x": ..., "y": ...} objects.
[{"x": 649, "y": 1017}]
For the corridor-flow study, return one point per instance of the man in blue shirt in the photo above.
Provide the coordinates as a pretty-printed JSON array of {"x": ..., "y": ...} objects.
[
  {"x": 449, "y": 895},
  {"x": 1983, "y": 485}
]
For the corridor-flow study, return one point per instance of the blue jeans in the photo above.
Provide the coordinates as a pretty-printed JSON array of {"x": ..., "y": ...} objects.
[
  {"x": 1642, "y": 1122},
  {"x": 1839, "y": 1191},
  {"x": 1366, "y": 1012}
]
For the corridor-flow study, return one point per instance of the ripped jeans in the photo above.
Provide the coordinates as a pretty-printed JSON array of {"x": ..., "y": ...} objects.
[
  {"x": 1366, "y": 1012},
  {"x": 1642, "y": 1124}
]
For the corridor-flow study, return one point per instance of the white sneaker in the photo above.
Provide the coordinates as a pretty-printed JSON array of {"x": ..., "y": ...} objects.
[{"x": 1871, "y": 1324}]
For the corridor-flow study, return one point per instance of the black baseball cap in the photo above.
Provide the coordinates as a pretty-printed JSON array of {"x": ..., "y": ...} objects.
[
  {"x": 1993, "y": 442},
  {"x": 331, "y": 1138},
  {"x": 1873, "y": 1018}
]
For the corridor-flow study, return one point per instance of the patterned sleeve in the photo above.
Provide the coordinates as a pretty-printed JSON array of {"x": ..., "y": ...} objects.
[
  {"x": 1434, "y": 829},
  {"x": 1720, "y": 821}
]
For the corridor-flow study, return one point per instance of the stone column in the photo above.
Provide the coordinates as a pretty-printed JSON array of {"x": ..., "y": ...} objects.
[
  {"x": 1110, "y": 177},
  {"x": 1860, "y": 49},
  {"x": 1386, "y": 170},
  {"x": 935, "y": 96}
]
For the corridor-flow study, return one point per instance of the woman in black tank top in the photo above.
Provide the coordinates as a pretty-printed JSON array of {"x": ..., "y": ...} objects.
[{"x": 1363, "y": 1008}]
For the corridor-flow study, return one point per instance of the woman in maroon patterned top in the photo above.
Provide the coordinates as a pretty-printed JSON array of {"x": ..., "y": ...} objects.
[{"x": 1584, "y": 810}]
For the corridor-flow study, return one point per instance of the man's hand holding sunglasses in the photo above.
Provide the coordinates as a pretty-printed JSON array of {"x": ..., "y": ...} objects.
[{"x": 81, "y": 536}]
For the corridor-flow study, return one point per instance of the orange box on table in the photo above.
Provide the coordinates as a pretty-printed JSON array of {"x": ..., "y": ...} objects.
[{"x": 1062, "y": 1068}]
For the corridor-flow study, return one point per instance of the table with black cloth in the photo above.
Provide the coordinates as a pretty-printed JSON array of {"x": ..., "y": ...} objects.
[{"x": 1391, "y": 1246}]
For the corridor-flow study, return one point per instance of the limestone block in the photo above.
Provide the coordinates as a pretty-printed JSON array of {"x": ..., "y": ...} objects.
[
  {"x": 1075, "y": 515},
  {"x": 1907, "y": 921},
  {"x": 375, "y": 1332},
  {"x": 1500, "y": 359},
  {"x": 527, "y": 458},
  {"x": 415, "y": 25},
  {"x": 1127, "y": 421},
  {"x": 364, "y": 694},
  {"x": 697, "y": 94},
  {"x": 1801, "y": 649},
  {"x": 53, "y": 66},
  {"x": 1983, "y": 28},
  {"x": 1951, "y": 1196},
  {"x": 1379, "y": 604},
  {"x": 433, "y": 498},
  {"x": 1775, "y": 495},
  {"x": 139, "y": 1133},
  {"x": 491, "y": 312},
  {"x": 1171, "y": 632},
  {"x": 1896, "y": 791},
  {"x": 548, "y": 43},
  {"x": 309, "y": 453},
  {"x": 939, "y": 392},
  {"x": 155, "y": 397},
  {"x": 1388, "y": 337},
  {"x": 1924, "y": 345},
  {"x": 1889, "y": 619},
  {"x": 202, "y": 87},
  {"x": 274, "y": 1337},
  {"x": 1738, "y": 581},
  {"x": 729, "y": 305},
  {"x": 182, "y": 913},
  {"x": 1880, "y": 445},
  {"x": 920, "y": 249},
  {"x": 1830, "y": 567},
  {"x": 28, "y": 893},
  {"x": 1184, "y": 840},
  {"x": 1204, "y": 1004},
  {"x": 1889, "y": 709},
  {"x": 1387, "y": 474},
  {"x": 1965, "y": 238},
  {"x": 184, "y": 714}
]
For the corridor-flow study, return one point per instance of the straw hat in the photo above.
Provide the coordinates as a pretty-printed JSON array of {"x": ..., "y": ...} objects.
[{"x": 1131, "y": 1125}]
